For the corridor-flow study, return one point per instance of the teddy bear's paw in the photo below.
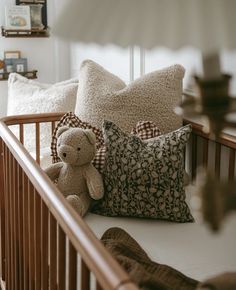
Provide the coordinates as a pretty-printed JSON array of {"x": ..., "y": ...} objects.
[{"x": 76, "y": 203}]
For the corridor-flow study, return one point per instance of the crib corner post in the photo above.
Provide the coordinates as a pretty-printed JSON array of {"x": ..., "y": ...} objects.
[{"x": 2, "y": 215}]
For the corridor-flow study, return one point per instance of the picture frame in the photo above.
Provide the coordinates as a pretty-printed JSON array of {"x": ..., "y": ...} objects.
[
  {"x": 17, "y": 17},
  {"x": 19, "y": 65},
  {"x": 8, "y": 65},
  {"x": 44, "y": 8},
  {"x": 12, "y": 54}
]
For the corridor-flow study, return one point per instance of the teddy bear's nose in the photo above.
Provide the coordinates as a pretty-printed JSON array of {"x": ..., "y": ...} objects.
[{"x": 64, "y": 154}]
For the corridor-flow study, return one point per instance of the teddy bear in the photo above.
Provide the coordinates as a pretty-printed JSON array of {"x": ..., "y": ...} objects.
[{"x": 77, "y": 178}]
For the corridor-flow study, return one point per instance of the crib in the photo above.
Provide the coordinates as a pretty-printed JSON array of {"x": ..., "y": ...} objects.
[{"x": 42, "y": 239}]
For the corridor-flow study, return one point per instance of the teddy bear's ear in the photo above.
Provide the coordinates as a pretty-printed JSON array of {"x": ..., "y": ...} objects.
[
  {"x": 61, "y": 130},
  {"x": 90, "y": 136}
]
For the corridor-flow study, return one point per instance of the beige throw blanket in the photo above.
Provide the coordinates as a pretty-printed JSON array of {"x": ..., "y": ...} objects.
[
  {"x": 148, "y": 275},
  {"x": 225, "y": 281}
]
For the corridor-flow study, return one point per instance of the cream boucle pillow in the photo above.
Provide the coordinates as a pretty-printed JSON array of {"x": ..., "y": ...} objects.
[
  {"x": 102, "y": 95},
  {"x": 30, "y": 97}
]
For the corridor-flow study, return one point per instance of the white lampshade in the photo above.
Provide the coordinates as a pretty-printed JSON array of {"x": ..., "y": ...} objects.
[{"x": 206, "y": 24}]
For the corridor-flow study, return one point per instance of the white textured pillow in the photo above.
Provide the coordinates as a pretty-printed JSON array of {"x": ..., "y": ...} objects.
[
  {"x": 102, "y": 95},
  {"x": 30, "y": 97}
]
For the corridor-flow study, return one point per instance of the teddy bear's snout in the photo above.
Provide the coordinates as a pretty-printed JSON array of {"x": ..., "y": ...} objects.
[{"x": 67, "y": 153}]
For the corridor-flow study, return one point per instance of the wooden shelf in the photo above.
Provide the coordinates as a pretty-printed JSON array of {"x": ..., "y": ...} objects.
[
  {"x": 33, "y": 2},
  {"x": 28, "y": 74},
  {"x": 25, "y": 33}
]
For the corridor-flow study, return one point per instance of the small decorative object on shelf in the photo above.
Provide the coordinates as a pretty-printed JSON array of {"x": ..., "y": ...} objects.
[
  {"x": 28, "y": 74},
  {"x": 12, "y": 54},
  {"x": 40, "y": 12},
  {"x": 25, "y": 33},
  {"x": 2, "y": 65},
  {"x": 20, "y": 65},
  {"x": 17, "y": 17},
  {"x": 36, "y": 16}
]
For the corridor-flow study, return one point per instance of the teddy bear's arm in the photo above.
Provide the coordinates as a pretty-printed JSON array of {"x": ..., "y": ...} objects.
[
  {"x": 53, "y": 170},
  {"x": 94, "y": 182}
]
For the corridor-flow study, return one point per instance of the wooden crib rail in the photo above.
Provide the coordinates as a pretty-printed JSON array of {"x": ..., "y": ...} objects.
[
  {"x": 36, "y": 120},
  {"x": 217, "y": 156},
  {"x": 41, "y": 234},
  {"x": 32, "y": 118},
  {"x": 35, "y": 212}
]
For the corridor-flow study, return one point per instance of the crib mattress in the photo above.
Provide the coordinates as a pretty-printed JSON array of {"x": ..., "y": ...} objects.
[{"x": 191, "y": 247}]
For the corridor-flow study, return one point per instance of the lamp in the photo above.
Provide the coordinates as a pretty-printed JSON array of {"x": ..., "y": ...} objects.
[{"x": 206, "y": 24}]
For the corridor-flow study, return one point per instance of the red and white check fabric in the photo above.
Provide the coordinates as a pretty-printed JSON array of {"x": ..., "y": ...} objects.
[
  {"x": 71, "y": 120},
  {"x": 144, "y": 130}
]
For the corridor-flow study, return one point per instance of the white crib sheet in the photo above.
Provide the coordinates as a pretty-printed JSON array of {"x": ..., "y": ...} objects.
[{"x": 191, "y": 248}]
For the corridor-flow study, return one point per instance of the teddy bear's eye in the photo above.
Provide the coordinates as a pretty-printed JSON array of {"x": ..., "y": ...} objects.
[{"x": 78, "y": 148}]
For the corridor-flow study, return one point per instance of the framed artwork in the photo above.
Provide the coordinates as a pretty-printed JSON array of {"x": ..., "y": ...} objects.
[
  {"x": 12, "y": 54},
  {"x": 37, "y": 2},
  {"x": 19, "y": 65},
  {"x": 17, "y": 17},
  {"x": 8, "y": 65}
]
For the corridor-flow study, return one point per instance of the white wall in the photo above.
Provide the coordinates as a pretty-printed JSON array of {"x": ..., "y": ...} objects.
[{"x": 50, "y": 56}]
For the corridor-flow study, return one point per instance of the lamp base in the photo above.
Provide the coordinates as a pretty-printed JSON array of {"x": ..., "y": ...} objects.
[
  {"x": 214, "y": 92},
  {"x": 215, "y": 101}
]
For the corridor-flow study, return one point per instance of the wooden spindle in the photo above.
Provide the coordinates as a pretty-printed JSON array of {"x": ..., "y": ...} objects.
[
  {"x": 2, "y": 210},
  {"x": 61, "y": 259},
  {"x": 194, "y": 156},
  {"x": 85, "y": 276},
  {"x": 44, "y": 246},
  {"x": 7, "y": 232},
  {"x": 205, "y": 153},
  {"x": 72, "y": 267},
  {"x": 231, "y": 164},
  {"x": 21, "y": 133},
  {"x": 37, "y": 140},
  {"x": 217, "y": 160},
  {"x": 37, "y": 235},
  {"x": 11, "y": 222},
  {"x": 31, "y": 237},
  {"x": 16, "y": 224},
  {"x": 52, "y": 127},
  {"x": 20, "y": 223},
  {"x": 25, "y": 197},
  {"x": 53, "y": 253}
]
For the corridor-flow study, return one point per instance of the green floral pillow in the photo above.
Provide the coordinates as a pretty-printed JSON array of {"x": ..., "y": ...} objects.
[{"x": 144, "y": 178}]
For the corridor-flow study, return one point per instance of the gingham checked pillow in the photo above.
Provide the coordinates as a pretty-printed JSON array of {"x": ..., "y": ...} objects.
[
  {"x": 144, "y": 130},
  {"x": 71, "y": 120}
]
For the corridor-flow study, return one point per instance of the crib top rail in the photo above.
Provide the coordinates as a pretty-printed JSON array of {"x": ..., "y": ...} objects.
[
  {"x": 226, "y": 139},
  {"x": 32, "y": 118}
]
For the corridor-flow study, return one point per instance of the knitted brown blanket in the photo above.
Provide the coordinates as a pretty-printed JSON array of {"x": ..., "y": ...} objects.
[{"x": 148, "y": 275}]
